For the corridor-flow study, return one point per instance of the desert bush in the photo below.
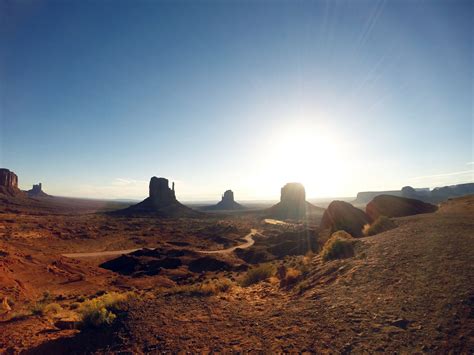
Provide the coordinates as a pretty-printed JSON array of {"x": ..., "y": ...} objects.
[
  {"x": 52, "y": 308},
  {"x": 381, "y": 224},
  {"x": 339, "y": 246},
  {"x": 292, "y": 276},
  {"x": 100, "y": 311},
  {"x": 201, "y": 290},
  {"x": 257, "y": 274}
]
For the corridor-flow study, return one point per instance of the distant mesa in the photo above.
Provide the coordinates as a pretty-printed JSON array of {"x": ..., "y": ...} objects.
[
  {"x": 8, "y": 182},
  {"x": 342, "y": 215},
  {"x": 394, "y": 206},
  {"x": 161, "y": 202},
  {"x": 436, "y": 195},
  {"x": 227, "y": 203},
  {"x": 293, "y": 204},
  {"x": 37, "y": 191}
]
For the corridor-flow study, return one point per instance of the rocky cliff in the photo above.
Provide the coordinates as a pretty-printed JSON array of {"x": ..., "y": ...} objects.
[{"x": 8, "y": 182}]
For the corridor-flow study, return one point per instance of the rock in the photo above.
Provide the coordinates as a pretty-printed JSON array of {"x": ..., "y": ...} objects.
[
  {"x": 37, "y": 191},
  {"x": 341, "y": 215},
  {"x": 67, "y": 323},
  {"x": 227, "y": 203},
  {"x": 161, "y": 202},
  {"x": 400, "y": 323},
  {"x": 293, "y": 204},
  {"x": 208, "y": 263},
  {"x": 394, "y": 206},
  {"x": 8, "y": 182}
]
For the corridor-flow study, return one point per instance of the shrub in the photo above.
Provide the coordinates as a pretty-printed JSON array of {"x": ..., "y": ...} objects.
[
  {"x": 380, "y": 225},
  {"x": 99, "y": 311},
  {"x": 201, "y": 290},
  {"x": 291, "y": 277},
  {"x": 257, "y": 274},
  {"x": 339, "y": 246},
  {"x": 52, "y": 308}
]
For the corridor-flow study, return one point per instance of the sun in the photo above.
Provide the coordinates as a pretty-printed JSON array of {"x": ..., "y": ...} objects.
[{"x": 305, "y": 154}]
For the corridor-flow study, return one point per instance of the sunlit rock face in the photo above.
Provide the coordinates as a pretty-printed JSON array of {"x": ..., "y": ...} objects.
[
  {"x": 8, "y": 182},
  {"x": 159, "y": 192},
  {"x": 341, "y": 215}
]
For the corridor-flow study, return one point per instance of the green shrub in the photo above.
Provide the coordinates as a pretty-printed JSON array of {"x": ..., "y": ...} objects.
[
  {"x": 52, "y": 308},
  {"x": 339, "y": 246},
  {"x": 100, "y": 311},
  {"x": 380, "y": 225},
  {"x": 257, "y": 274}
]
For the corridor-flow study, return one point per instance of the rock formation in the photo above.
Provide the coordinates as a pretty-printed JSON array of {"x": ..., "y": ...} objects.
[
  {"x": 37, "y": 191},
  {"x": 341, "y": 215},
  {"x": 394, "y": 206},
  {"x": 293, "y": 204},
  {"x": 438, "y": 194},
  {"x": 161, "y": 202},
  {"x": 8, "y": 182},
  {"x": 227, "y": 203}
]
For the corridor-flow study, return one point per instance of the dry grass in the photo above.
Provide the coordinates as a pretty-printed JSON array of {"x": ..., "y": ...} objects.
[
  {"x": 339, "y": 246},
  {"x": 101, "y": 311},
  {"x": 257, "y": 274},
  {"x": 380, "y": 225},
  {"x": 291, "y": 277},
  {"x": 200, "y": 290}
]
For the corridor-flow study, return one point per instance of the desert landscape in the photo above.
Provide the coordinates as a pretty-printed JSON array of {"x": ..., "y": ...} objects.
[
  {"x": 82, "y": 276},
  {"x": 227, "y": 177}
]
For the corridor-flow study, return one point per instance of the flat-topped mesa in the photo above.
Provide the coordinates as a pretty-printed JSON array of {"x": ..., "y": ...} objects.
[
  {"x": 292, "y": 203},
  {"x": 161, "y": 202},
  {"x": 159, "y": 192},
  {"x": 227, "y": 203},
  {"x": 8, "y": 182},
  {"x": 228, "y": 197},
  {"x": 293, "y": 193}
]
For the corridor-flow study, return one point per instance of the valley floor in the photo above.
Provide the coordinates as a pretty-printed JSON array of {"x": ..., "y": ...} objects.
[{"x": 407, "y": 290}]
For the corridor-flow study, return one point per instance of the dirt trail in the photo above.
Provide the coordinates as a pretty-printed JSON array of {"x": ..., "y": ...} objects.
[{"x": 248, "y": 243}]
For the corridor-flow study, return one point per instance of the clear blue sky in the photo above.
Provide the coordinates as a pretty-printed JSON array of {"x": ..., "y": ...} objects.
[{"x": 98, "y": 96}]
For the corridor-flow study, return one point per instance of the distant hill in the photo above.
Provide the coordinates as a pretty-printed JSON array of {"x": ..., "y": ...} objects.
[{"x": 436, "y": 195}]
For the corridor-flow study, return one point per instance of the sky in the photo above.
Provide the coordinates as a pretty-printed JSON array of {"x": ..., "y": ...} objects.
[{"x": 343, "y": 96}]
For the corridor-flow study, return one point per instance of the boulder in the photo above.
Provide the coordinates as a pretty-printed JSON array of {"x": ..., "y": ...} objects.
[
  {"x": 394, "y": 206},
  {"x": 341, "y": 215},
  {"x": 8, "y": 182}
]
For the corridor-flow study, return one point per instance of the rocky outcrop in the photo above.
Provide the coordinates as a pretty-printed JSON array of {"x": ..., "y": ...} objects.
[
  {"x": 394, "y": 206},
  {"x": 227, "y": 203},
  {"x": 37, "y": 191},
  {"x": 293, "y": 204},
  {"x": 161, "y": 202},
  {"x": 341, "y": 215},
  {"x": 438, "y": 194},
  {"x": 8, "y": 182}
]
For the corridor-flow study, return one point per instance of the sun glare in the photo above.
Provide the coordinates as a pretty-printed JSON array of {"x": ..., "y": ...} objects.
[{"x": 305, "y": 154}]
